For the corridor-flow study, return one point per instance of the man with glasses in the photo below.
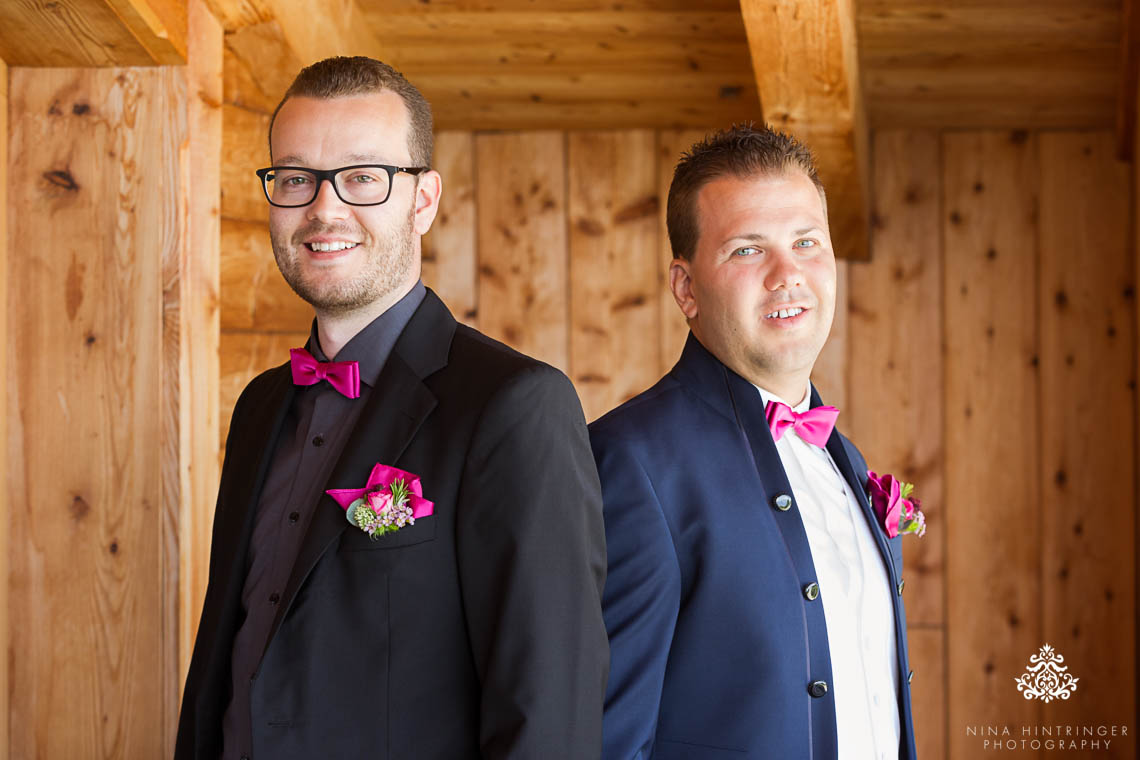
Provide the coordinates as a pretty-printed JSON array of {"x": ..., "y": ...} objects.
[{"x": 408, "y": 552}]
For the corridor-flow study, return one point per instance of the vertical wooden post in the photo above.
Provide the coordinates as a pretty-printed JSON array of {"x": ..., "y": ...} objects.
[
  {"x": 98, "y": 157},
  {"x": 198, "y": 326},
  {"x": 7, "y": 341}
]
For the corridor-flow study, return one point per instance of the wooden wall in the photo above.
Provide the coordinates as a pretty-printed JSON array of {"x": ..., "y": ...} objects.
[{"x": 986, "y": 353}]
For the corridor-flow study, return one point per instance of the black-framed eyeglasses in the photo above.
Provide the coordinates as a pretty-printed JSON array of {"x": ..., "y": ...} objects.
[{"x": 358, "y": 185}]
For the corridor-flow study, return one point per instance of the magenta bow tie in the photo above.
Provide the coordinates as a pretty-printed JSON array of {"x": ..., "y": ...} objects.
[
  {"x": 344, "y": 376},
  {"x": 813, "y": 426}
]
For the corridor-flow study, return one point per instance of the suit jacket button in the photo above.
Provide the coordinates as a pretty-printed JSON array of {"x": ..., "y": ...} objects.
[
  {"x": 274, "y": 598},
  {"x": 910, "y": 676},
  {"x": 901, "y": 584},
  {"x": 817, "y": 688},
  {"x": 782, "y": 502},
  {"x": 811, "y": 591}
]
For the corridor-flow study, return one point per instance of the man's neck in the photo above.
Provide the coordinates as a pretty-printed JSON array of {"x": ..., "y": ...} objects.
[{"x": 336, "y": 330}]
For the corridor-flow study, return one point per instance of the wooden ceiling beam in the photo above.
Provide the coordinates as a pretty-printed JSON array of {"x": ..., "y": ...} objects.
[
  {"x": 1126, "y": 100},
  {"x": 806, "y": 64},
  {"x": 313, "y": 29}
]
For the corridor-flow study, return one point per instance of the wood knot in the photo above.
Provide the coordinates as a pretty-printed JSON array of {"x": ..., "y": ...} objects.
[{"x": 62, "y": 178}]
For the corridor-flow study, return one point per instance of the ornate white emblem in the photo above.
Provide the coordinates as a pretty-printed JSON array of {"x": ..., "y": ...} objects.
[{"x": 1046, "y": 678}]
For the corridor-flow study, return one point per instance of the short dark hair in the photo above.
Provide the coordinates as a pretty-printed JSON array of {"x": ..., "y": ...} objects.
[
  {"x": 741, "y": 151},
  {"x": 343, "y": 76}
]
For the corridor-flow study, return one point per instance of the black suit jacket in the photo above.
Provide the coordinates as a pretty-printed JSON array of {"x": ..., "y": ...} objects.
[{"x": 478, "y": 631}]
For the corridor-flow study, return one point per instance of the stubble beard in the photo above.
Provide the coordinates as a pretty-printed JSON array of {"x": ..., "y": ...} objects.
[{"x": 387, "y": 266}]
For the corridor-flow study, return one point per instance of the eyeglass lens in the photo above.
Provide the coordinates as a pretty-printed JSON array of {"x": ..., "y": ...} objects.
[{"x": 296, "y": 187}]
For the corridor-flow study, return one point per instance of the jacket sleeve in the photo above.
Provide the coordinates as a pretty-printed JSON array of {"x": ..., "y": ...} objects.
[
  {"x": 641, "y": 601},
  {"x": 531, "y": 552}
]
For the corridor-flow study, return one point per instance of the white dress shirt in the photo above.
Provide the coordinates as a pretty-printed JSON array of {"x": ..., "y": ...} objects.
[{"x": 856, "y": 594}]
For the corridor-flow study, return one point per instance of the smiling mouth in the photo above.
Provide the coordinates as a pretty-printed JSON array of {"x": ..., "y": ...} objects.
[
  {"x": 784, "y": 313},
  {"x": 339, "y": 245}
]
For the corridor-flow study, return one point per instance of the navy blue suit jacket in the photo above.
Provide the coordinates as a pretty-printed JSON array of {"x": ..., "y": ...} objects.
[{"x": 713, "y": 644}]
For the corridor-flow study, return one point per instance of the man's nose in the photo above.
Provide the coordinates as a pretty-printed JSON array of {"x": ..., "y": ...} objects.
[
  {"x": 327, "y": 206},
  {"x": 785, "y": 272}
]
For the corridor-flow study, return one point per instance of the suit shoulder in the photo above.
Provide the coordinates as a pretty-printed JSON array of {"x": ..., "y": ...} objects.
[
  {"x": 643, "y": 414},
  {"x": 259, "y": 386},
  {"x": 489, "y": 365}
]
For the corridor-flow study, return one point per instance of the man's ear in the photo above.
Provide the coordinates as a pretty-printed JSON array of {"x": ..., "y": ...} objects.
[
  {"x": 429, "y": 187},
  {"x": 681, "y": 283}
]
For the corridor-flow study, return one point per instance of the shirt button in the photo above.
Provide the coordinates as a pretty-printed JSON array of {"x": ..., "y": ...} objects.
[
  {"x": 875, "y": 699},
  {"x": 318, "y": 441},
  {"x": 274, "y": 598},
  {"x": 294, "y": 517},
  {"x": 782, "y": 502},
  {"x": 245, "y": 757},
  {"x": 901, "y": 584}
]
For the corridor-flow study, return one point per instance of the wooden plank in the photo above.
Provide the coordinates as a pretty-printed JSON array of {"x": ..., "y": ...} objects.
[
  {"x": 547, "y": 6},
  {"x": 5, "y": 510},
  {"x": 317, "y": 29},
  {"x": 1126, "y": 100},
  {"x": 831, "y": 370},
  {"x": 521, "y": 202},
  {"x": 198, "y": 334},
  {"x": 452, "y": 27},
  {"x": 568, "y": 85},
  {"x": 160, "y": 26},
  {"x": 245, "y": 148},
  {"x": 927, "y": 650},
  {"x": 922, "y": 108},
  {"x": 97, "y": 154},
  {"x": 449, "y": 253},
  {"x": 671, "y": 144},
  {"x": 895, "y": 399},
  {"x": 529, "y": 115},
  {"x": 807, "y": 71},
  {"x": 244, "y": 355},
  {"x": 1087, "y": 310},
  {"x": 993, "y": 546},
  {"x": 254, "y": 296},
  {"x": 259, "y": 67},
  {"x": 67, "y": 33},
  {"x": 237, "y": 14},
  {"x": 614, "y": 267}
]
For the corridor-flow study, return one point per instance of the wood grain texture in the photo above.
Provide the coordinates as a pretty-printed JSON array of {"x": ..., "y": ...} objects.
[
  {"x": 1087, "y": 310},
  {"x": 98, "y": 153},
  {"x": 199, "y": 325},
  {"x": 991, "y": 418},
  {"x": 160, "y": 26},
  {"x": 521, "y": 202},
  {"x": 895, "y": 397},
  {"x": 67, "y": 33},
  {"x": 614, "y": 272},
  {"x": 449, "y": 250},
  {"x": 254, "y": 296},
  {"x": 259, "y": 67},
  {"x": 927, "y": 648},
  {"x": 5, "y": 510},
  {"x": 674, "y": 330},
  {"x": 245, "y": 148},
  {"x": 806, "y": 63}
]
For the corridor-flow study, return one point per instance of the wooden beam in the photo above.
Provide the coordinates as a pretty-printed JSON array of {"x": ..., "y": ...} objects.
[
  {"x": 198, "y": 326},
  {"x": 312, "y": 29},
  {"x": 93, "y": 33},
  {"x": 806, "y": 64},
  {"x": 7, "y": 339},
  {"x": 1126, "y": 101}
]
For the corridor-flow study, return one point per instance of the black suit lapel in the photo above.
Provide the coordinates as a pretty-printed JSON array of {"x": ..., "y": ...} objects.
[{"x": 394, "y": 411}]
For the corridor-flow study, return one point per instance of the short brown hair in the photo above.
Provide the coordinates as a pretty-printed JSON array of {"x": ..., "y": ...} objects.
[
  {"x": 343, "y": 76},
  {"x": 741, "y": 151}
]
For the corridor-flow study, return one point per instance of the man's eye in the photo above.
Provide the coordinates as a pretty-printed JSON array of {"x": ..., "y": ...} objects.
[
  {"x": 296, "y": 179},
  {"x": 805, "y": 244},
  {"x": 363, "y": 178},
  {"x": 747, "y": 250}
]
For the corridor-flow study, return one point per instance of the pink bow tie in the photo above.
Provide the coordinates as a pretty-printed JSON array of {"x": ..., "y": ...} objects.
[
  {"x": 813, "y": 426},
  {"x": 344, "y": 376}
]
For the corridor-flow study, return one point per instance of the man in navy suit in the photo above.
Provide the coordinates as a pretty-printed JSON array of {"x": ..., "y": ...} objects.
[{"x": 753, "y": 598}]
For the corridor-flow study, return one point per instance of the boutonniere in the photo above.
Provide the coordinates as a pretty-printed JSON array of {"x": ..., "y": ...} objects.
[
  {"x": 897, "y": 510},
  {"x": 391, "y": 499}
]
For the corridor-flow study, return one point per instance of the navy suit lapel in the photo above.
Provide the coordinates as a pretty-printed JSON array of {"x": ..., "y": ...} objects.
[{"x": 396, "y": 408}]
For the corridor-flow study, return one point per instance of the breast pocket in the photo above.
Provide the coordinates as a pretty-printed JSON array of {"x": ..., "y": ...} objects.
[{"x": 356, "y": 540}]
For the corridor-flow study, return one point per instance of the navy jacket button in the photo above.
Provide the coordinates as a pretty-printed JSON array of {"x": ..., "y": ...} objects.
[{"x": 817, "y": 688}]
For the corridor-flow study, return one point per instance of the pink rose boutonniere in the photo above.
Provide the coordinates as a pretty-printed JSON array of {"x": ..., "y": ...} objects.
[
  {"x": 391, "y": 499},
  {"x": 897, "y": 510}
]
